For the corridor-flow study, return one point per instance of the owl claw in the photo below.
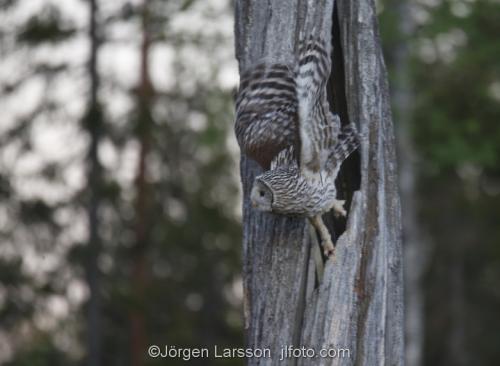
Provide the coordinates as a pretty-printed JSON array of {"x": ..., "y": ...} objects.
[
  {"x": 338, "y": 208},
  {"x": 326, "y": 240},
  {"x": 328, "y": 249}
]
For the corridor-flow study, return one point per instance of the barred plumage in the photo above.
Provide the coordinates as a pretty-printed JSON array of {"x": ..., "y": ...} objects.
[
  {"x": 266, "y": 112},
  {"x": 296, "y": 194},
  {"x": 285, "y": 190},
  {"x": 318, "y": 127},
  {"x": 283, "y": 121},
  {"x": 282, "y": 105}
]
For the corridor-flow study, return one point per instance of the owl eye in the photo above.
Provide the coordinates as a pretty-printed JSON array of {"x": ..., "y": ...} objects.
[{"x": 262, "y": 193}]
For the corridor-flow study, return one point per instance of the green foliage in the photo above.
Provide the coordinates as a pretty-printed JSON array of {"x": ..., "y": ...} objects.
[
  {"x": 456, "y": 112},
  {"x": 46, "y": 27},
  {"x": 190, "y": 192},
  {"x": 40, "y": 353},
  {"x": 456, "y": 106}
]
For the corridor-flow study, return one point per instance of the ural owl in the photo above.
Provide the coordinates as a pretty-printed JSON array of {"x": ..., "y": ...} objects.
[
  {"x": 283, "y": 121},
  {"x": 285, "y": 189}
]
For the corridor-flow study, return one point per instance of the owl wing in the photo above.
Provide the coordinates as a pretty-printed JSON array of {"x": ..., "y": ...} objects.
[
  {"x": 266, "y": 112},
  {"x": 318, "y": 126},
  {"x": 348, "y": 141},
  {"x": 286, "y": 159}
]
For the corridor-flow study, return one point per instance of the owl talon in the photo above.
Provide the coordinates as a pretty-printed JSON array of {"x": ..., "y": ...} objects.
[
  {"x": 328, "y": 249},
  {"x": 338, "y": 208},
  {"x": 326, "y": 241}
]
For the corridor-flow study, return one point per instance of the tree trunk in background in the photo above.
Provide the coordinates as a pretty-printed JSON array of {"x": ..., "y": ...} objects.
[
  {"x": 457, "y": 349},
  {"x": 93, "y": 124},
  {"x": 415, "y": 250},
  {"x": 142, "y": 212},
  {"x": 359, "y": 303}
]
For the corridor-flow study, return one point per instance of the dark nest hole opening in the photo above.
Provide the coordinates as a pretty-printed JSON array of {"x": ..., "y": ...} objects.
[{"x": 349, "y": 178}]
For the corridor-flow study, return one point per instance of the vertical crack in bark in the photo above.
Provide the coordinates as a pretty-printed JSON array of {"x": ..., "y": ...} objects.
[
  {"x": 364, "y": 286},
  {"x": 301, "y": 306},
  {"x": 349, "y": 178}
]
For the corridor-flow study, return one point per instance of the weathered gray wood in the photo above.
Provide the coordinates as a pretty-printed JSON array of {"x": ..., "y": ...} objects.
[{"x": 358, "y": 305}]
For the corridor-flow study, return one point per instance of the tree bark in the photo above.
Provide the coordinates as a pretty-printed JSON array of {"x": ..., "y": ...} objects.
[{"x": 358, "y": 303}]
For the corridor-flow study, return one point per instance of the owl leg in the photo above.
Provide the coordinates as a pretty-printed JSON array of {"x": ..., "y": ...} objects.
[
  {"x": 326, "y": 240},
  {"x": 338, "y": 208}
]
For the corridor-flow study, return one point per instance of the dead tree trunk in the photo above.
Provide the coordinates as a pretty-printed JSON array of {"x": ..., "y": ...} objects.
[{"x": 357, "y": 305}]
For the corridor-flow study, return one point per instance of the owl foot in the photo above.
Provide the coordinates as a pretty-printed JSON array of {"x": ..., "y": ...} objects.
[
  {"x": 338, "y": 208},
  {"x": 326, "y": 240},
  {"x": 328, "y": 248}
]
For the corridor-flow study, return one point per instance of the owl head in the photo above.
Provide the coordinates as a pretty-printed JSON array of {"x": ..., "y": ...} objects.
[{"x": 261, "y": 196}]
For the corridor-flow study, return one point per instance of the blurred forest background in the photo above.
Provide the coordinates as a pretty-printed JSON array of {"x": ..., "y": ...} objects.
[{"x": 119, "y": 191}]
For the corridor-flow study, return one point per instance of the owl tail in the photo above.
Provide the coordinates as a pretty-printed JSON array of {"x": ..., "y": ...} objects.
[{"x": 348, "y": 142}]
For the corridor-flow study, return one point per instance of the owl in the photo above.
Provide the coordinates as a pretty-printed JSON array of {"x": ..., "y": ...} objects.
[
  {"x": 285, "y": 189},
  {"x": 283, "y": 121}
]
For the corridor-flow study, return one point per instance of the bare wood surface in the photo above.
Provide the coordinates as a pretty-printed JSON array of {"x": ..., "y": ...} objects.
[{"x": 358, "y": 304}]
